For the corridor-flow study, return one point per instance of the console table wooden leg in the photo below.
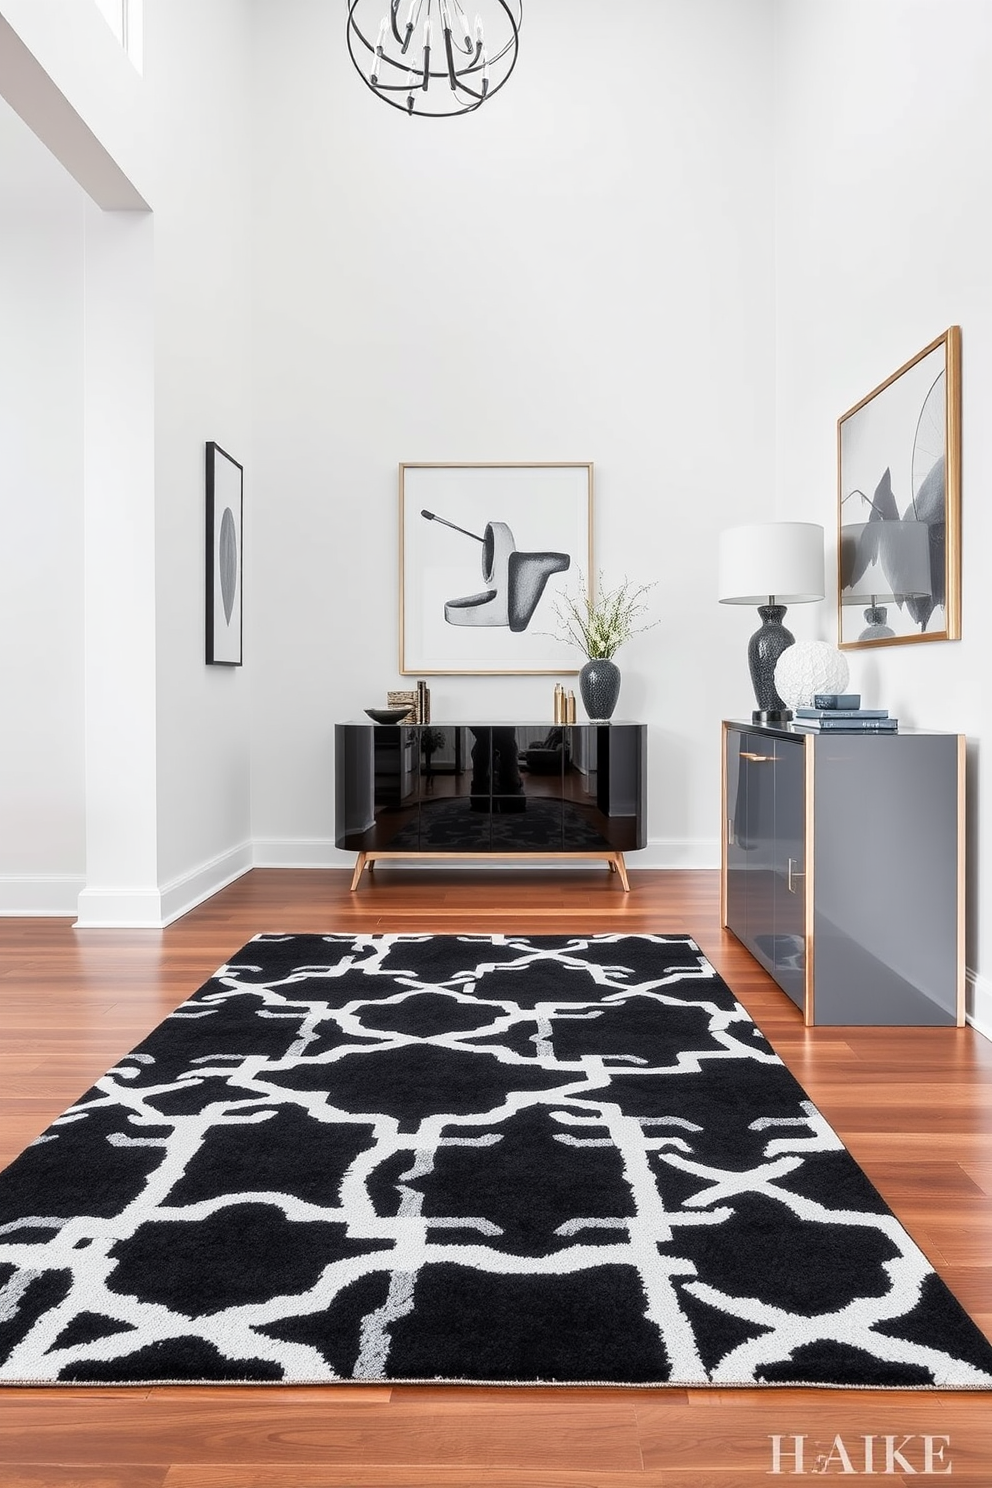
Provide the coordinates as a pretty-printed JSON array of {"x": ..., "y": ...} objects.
[
  {"x": 618, "y": 863},
  {"x": 360, "y": 862}
]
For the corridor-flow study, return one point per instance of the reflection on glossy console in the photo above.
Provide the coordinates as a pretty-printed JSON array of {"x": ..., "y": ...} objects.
[{"x": 490, "y": 789}]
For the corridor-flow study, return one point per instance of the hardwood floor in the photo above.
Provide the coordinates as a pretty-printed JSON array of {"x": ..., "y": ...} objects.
[{"x": 913, "y": 1105}]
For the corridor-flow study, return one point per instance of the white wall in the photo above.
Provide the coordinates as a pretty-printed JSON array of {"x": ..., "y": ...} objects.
[
  {"x": 884, "y": 127},
  {"x": 162, "y": 367},
  {"x": 42, "y": 806},
  {"x": 581, "y": 271},
  {"x": 197, "y": 78},
  {"x": 119, "y": 621}
]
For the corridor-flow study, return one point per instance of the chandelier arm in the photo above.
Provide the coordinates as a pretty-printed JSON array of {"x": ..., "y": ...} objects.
[
  {"x": 394, "y": 6},
  {"x": 468, "y": 48},
  {"x": 449, "y": 54},
  {"x": 381, "y": 88},
  {"x": 478, "y": 97},
  {"x": 438, "y": 74}
]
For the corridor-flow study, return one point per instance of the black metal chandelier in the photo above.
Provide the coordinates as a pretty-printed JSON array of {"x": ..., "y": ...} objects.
[{"x": 430, "y": 61}]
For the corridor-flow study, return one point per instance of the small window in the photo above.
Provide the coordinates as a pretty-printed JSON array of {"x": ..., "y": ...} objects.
[{"x": 124, "y": 19}]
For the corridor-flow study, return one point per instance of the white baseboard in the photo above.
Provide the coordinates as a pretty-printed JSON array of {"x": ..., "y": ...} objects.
[
  {"x": 33, "y": 894},
  {"x": 115, "y": 908},
  {"x": 153, "y": 909},
  {"x": 299, "y": 852},
  {"x": 190, "y": 889},
  {"x": 677, "y": 852},
  {"x": 978, "y": 1000},
  {"x": 119, "y": 909}
]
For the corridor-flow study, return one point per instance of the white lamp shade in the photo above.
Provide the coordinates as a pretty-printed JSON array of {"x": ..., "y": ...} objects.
[{"x": 771, "y": 560}]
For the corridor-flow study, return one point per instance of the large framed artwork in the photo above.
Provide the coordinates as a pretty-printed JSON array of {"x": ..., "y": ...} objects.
[
  {"x": 486, "y": 554},
  {"x": 225, "y": 557},
  {"x": 899, "y": 505}
]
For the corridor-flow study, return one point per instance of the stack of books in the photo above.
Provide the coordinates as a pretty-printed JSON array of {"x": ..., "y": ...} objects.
[{"x": 842, "y": 713}]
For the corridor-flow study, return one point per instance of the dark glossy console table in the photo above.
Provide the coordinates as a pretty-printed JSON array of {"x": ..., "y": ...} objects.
[{"x": 491, "y": 790}]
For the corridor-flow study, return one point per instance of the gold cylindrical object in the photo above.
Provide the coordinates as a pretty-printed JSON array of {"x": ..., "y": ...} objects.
[
  {"x": 559, "y": 707},
  {"x": 570, "y": 707}
]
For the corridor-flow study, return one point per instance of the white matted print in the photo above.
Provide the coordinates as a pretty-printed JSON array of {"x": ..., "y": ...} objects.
[
  {"x": 486, "y": 552},
  {"x": 225, "y": 559}
]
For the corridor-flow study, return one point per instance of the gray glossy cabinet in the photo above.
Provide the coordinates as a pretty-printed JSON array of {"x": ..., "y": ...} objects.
[{"x": 842, "y": 869}]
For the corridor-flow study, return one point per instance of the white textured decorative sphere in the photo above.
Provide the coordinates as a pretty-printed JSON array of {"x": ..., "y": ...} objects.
[{"x": 809, "y": 667}]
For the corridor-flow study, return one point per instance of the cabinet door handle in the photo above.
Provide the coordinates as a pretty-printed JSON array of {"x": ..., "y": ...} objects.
[
  {"x": 730, "y": 831},
  {"x": 791, "y": 876}
]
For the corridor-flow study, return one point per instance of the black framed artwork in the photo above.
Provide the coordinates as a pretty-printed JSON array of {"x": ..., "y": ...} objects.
[{"x": 225, "y": 556}]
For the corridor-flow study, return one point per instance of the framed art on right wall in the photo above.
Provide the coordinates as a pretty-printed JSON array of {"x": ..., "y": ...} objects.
[{"x": 899, "y": 505}]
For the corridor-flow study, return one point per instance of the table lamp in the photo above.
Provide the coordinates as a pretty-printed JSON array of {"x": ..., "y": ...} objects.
[{"x": 771, "y": 565}]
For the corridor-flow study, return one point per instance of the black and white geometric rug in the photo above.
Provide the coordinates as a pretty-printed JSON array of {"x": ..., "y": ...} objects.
[{"x": 462, "y": 1158}]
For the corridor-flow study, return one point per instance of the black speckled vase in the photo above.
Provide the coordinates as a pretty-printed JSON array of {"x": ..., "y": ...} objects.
[
  {"x": 764, "y": 649},
  {"x": 599, "y": 688}
]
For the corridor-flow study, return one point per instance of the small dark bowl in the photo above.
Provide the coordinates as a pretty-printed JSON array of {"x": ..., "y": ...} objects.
[{"x": 387, "y": 715}]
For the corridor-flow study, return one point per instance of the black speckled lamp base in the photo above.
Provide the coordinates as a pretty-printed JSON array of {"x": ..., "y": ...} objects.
[
  {"x": 772, "y": 715},
  {"x": 764, "y": 649}
]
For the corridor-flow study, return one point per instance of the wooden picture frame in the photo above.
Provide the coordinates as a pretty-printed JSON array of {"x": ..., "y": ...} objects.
[
  {"x": 899, "y": 505},
  {"x": 486, "y": 553},
  {"x": 225, "y": 557}
]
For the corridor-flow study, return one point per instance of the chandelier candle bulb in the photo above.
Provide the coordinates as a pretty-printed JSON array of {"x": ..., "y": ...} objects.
[{"x": 374, "y": 75}]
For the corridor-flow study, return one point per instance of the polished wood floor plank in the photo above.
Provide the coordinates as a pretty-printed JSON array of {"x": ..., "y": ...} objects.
[
  {"x": 404, "y": 1476},
  {"x": 914, "y": 1105},
  {"x": 271, "y": 1426},
  {"x": 82, "y": 1475}
]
